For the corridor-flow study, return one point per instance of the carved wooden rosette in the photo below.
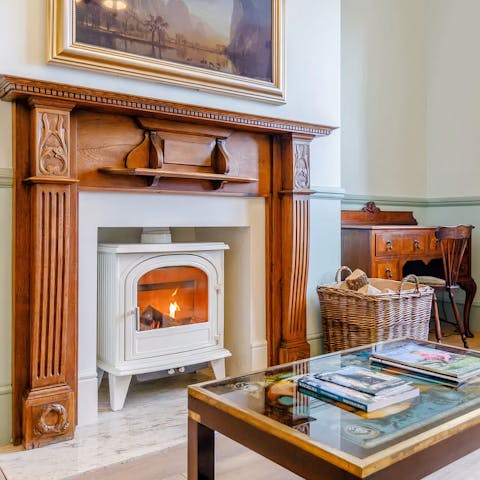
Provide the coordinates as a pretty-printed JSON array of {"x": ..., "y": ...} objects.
[
  {"x": 291, "y": 207},
  {"x": 49, "y": 403}
]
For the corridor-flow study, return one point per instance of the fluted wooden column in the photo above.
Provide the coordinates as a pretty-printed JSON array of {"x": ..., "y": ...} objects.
[
  {"x": 289, "y": 240},
  {"x": 47, "y": 204}
]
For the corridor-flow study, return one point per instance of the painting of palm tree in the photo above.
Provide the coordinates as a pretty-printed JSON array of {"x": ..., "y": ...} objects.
[{"x": 228, "y": 36}]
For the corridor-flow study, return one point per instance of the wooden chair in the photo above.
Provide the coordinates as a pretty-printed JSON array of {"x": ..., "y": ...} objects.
[{"x": 453, "y": 242}]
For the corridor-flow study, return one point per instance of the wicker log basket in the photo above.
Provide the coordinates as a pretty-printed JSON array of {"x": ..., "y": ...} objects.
[{"x": 351, "y": 319}]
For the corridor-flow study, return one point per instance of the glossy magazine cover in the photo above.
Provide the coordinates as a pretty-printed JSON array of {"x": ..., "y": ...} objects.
[{"x": 410, "y": 353}]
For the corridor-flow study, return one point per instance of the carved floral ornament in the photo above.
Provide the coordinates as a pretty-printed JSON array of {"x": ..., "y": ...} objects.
[
  {"x": 302, "y": 166},
  {"x": 53, "y": 148},
  {"x": 370, "y": 207}
]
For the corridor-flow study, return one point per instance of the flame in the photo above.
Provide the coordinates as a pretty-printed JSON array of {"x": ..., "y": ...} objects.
[{"x": 174, "y": 307}]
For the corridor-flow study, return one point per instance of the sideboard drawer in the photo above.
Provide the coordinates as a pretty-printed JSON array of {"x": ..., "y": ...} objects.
[
  {"x": 434, "y": 245},
  {"x": 392, "y": 243},
  {"x": 387, "y": 270},
  {"x": 412, "y": 244},
  {"x": 387, "y": 244}
]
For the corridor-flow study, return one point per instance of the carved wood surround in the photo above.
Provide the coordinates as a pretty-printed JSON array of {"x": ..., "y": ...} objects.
[{"x": 68, "y": 138}]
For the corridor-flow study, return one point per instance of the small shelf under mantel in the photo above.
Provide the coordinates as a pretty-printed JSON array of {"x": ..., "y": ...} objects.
[{"x": 217, "y": 179}]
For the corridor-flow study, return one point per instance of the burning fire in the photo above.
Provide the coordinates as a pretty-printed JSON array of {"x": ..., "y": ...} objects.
[{"x": 174, "y": 307}]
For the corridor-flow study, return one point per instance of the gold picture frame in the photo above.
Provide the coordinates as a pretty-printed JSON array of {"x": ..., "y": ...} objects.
[{"x": 142, "y": 38}]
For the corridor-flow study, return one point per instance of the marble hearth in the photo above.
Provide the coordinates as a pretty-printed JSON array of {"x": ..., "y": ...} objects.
[{"x": 162, "y": 425}]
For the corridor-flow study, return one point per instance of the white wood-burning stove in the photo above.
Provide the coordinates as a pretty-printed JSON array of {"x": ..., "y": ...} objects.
[{"x": 160, "y": 307}]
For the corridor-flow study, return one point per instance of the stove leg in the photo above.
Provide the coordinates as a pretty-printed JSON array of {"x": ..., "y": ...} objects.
[
  {"x": 100, "y": 373},
  {"x": 218, "y": 367},
  {"x": 118, "y": 387}
]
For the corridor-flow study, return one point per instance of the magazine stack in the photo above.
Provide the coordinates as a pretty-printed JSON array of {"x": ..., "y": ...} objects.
[
  {"x": 358, "y": 387},
  {"x": 423, "y": 360}
]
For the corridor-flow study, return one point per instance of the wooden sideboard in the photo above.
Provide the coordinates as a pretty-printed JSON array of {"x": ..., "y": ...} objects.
[{"x": 391, "y": 245}]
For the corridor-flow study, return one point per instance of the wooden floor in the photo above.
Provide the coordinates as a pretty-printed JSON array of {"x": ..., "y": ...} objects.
[{"x": 234, "y": 462}]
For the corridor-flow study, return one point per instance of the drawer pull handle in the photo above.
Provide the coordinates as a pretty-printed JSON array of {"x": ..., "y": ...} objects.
[
  {"x": 137, "y": 318},
  {"x": 416, "y": 244},
  {"x": 388, "y": 244},
  {"x": 388, "y": 272}
]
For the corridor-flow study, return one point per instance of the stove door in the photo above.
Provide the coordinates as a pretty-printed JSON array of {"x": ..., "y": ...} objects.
[
  {"x": 171, "y": 297},
  {"x": 172, "y": 304}
]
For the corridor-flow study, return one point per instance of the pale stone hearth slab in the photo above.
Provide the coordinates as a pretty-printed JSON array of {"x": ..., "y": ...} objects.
[{"x": 154, "y": 418}]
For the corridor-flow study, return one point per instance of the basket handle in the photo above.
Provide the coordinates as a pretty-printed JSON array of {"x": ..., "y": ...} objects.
[
  {"x": 338, "y": 275},
  {"x": 411, "y": 278}
]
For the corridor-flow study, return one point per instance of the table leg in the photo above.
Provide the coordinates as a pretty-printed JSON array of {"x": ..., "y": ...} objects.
[
  {"x": 201, "y": 451},
  {"x": 470, "y": 288}
]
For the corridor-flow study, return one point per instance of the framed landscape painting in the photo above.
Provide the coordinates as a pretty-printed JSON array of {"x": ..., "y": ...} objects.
[{"x": 226, "y": 46}]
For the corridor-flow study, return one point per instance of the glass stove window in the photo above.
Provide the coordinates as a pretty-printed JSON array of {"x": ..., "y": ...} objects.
[{"x": 172, "y": 297}]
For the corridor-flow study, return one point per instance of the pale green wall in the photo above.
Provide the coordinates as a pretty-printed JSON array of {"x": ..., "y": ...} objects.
[
  {"x": 324, "y": 256},
  {"x": 410, "y": 103},
  {"x": 383, "y": 97},
  {"x": 5, "y": 271},
  {"x": 5, "y": 304},
  {"x": 410, "y": 108},
  {"x": 453, "y": 102}
]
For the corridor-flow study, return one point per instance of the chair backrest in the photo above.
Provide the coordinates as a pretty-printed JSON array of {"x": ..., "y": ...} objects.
[{"x": 453, "y": 242}]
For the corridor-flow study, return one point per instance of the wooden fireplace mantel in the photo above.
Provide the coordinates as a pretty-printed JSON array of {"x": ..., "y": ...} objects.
[{"x": 69, "y": 138}]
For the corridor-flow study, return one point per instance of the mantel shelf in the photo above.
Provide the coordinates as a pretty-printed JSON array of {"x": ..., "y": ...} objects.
[{"x": 164, "y": 173}]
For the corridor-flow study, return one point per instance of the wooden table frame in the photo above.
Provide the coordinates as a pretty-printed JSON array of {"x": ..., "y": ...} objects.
[{"x": 410, "y": 459}]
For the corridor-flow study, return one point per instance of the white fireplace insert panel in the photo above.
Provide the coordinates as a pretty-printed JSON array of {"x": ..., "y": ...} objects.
[{"x": 123, "y": 348}]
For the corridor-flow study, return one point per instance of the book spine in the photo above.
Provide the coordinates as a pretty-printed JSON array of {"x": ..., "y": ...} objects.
[
  {"x": 424, "y": 373},
  {"x": 333, "y": 396},
  {"x": 423, "y": 378}
]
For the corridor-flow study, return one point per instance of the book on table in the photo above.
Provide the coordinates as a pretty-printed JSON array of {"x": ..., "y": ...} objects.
[
  {"x": 365, "y": 380},
  {"x": 417, "y": 375},
  {"x": 387, "y": 389},
  {"x": 428, "y": 359}
]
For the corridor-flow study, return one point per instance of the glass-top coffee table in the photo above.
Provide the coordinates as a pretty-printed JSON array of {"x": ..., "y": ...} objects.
[{"x": 321, "y": 439}]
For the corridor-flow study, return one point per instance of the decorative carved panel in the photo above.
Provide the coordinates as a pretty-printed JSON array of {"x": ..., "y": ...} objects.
[
  {"x": 302, "y": 166},
  {"x": 52, "y": 148}
]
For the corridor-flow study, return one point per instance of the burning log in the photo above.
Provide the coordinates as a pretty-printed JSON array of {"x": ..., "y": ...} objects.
[{"x": 151, "y": 319}]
